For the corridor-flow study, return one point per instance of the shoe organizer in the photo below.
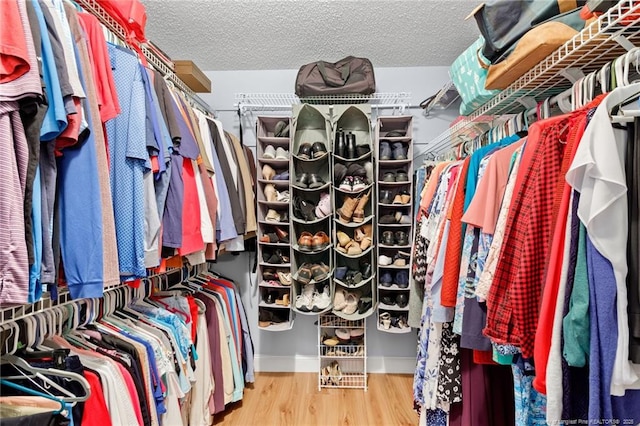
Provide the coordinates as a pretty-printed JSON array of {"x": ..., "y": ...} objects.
[
  {"x": 311, "y": 176},
  {"x": 311, "y": 294},
  {"x": 392, "y": 321},
  {"x": 353, "y": 303},
  {"x": 394, "y": 219},
  {"x": 304, "y": 207},
  {"x": 342, "y": 348},
  {"x": 361, "y": 205},
  {"x": 311, "y": 238},
  {"x": 351, "y": 273},
  {"x": 273, "y": 153},
  {"x": 310, "y": 125},
  {"x": 352, "y": 133}
]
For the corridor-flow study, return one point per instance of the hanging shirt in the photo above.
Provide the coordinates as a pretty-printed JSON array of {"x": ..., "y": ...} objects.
[
  {"x": 27, "y": 84},
  {"x": 56, "y": 117},
  {"x": 129, "y": 162},
  {"x": 14, "y": 56},
  {"x": 597, "y": 172}
]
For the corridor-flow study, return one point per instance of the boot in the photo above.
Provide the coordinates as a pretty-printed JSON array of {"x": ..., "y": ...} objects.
[
  {"x": 351, "y": 145},
  {"x": 358, "y": 213},
  {"x": 340, "y": 145},
  {"x": 346, "y": 211}
]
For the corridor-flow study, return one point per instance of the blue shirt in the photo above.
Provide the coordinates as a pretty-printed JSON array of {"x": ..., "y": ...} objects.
[
  {"x": 81, "y": 217},
  {"x": 55, "y": 119},
  {"x": 128, "y": 161}
]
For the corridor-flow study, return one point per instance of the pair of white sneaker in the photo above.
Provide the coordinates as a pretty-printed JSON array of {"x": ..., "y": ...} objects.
[
  {"x": 313, "y": 301},
  {"x": 272, "y": 153}
]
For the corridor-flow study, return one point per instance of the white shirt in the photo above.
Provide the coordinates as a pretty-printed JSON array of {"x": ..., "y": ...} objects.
[{"x": 597, "y": 172}]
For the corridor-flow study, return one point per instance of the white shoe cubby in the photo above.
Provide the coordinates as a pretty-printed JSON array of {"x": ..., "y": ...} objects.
[
  {"x": 311, "y": 130},
  {"x": 353, "y": 164},
  {"x": 273, "y": 153},
  {"x": 395, "y": 222},
  {"x": 343, "y": 363}
]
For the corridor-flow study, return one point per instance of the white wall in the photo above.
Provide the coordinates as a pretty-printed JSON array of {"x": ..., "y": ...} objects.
[{"x": 296, "y": 350}]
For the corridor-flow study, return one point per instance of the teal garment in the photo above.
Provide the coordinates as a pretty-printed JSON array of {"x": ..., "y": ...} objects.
[{"x": 575, "y": 325}]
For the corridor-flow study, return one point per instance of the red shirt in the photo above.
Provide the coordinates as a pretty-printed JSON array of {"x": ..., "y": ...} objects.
[{"x": 14, "y": 56}]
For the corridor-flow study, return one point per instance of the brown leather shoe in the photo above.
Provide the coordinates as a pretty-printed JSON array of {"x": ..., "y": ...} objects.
[
  {"x": 305, "y": 241},
  {"x": 283, "y": 235},
  {"x": 320, "y": 240}
]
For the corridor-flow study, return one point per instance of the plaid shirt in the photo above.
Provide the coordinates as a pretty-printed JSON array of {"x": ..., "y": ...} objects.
[{"x": 513, "y": 302}]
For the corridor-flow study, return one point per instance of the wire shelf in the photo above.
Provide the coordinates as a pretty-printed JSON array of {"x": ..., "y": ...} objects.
[
  {"x": 343, "y": 351},
  {"x": 250, "y": 102},
  {"x": 337, "y": 322},
  {"x": 599, "y": 43}
]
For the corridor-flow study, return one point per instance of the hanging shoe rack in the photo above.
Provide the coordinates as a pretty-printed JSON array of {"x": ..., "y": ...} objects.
[
  {"x": 256, "y": 102},
  {"x": 612, "y": 34}
]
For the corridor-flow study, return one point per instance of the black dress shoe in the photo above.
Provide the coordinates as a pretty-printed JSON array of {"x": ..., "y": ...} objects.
[
  {"x": 305, "y": 151},
  {"x": 318, "y": 149},
  {"x": 303, "y": 180},
  {"x": 387, "y": 238},
  {"x": 402, "y": 300},
  {"x": 402, "y": 238},
  {"x": 315, "y": 181}
]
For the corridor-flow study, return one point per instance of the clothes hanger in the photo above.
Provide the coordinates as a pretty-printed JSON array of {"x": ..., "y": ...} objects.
[
  {"x": 41, "y": 373},
  {"x": 33, "y": 392}
]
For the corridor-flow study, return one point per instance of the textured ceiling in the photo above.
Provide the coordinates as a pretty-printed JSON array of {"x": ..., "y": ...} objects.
[{"x": 285, "y": 34}]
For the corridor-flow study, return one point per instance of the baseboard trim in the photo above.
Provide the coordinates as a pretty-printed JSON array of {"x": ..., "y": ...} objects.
[{"x": 310, "y": 364}]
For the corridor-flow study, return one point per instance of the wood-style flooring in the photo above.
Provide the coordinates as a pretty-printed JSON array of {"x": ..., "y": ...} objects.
[{"x": 294, "y": 399}]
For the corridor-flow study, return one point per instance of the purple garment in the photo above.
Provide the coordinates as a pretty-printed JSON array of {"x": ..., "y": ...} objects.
[
  {"x": 575, "y": 380},
  {"x": 487, "y": 393},
  {"x": 214, "y": 346},
  {"x": 604, "y": 338}
]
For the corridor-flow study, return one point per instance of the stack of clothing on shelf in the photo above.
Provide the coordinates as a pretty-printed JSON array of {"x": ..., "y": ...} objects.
[
  {"x": 176, "y": 358},
  {"x": 526, "y": 258},
  {"x": 108, "y": 169}
]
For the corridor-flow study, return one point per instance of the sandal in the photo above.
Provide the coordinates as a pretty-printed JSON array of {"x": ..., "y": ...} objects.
[
  {"x": 283, "y": 196},
  {"x": 385, "y": 320},
  {"x": 336, "y": 373},
  {"x": 284, "y": 301},
  {"x": 284, "y": 277},
  {"x": 352, "y": 303},
  {"x": 339, "y": 299}
]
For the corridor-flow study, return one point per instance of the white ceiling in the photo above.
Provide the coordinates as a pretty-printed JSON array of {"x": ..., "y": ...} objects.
[{"x": 285, "y": 34}]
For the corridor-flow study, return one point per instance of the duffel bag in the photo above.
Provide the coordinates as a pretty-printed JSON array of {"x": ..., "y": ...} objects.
[{"x": 348, "y": 76}]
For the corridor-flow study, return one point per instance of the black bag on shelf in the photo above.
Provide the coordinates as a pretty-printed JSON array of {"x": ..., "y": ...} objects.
[{"x": 348, "y": 76}]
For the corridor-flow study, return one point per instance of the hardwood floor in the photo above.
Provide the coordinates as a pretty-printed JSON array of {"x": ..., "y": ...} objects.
[{"x": 294, "y": 399}]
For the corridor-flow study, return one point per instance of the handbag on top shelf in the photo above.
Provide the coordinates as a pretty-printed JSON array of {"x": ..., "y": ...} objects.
[{"x": 503, "y": 22}]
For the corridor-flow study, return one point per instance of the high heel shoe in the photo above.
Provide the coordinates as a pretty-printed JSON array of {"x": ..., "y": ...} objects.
[
  {"x": 267, "y": 172},
  {"x": 270, "y": 192}
]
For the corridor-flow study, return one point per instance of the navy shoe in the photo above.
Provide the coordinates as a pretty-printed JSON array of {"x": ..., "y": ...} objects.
[
  {"x": 385, "y": 279},
  {"x": 340, "y": 273},
  {"x": 402, "y": 279}
]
